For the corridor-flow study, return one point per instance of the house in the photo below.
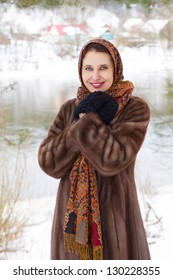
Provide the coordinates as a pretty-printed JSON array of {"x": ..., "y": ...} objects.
[
  {"x": 104, "y": 32},
  {"x": 67, "y": 29}
]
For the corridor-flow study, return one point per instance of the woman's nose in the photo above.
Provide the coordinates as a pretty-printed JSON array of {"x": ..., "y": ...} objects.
[{"x": 96, "y": 75}]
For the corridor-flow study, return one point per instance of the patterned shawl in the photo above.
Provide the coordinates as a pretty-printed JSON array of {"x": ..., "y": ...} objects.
[{"x": 82, "y": 226}]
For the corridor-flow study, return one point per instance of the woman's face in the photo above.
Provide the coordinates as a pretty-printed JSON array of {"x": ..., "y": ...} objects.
[{"x": 97, "y": 71}]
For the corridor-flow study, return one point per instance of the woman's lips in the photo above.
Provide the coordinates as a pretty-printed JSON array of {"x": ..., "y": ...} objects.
[{"x": 97, "y": 85}]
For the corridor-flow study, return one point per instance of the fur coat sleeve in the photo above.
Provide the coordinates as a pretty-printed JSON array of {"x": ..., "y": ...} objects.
[
  {"x": 58, "y": 151},
  {"x": 110, "y": 149}
]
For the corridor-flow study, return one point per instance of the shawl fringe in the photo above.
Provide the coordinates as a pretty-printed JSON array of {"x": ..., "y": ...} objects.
[{"x": 86, "y": 252}]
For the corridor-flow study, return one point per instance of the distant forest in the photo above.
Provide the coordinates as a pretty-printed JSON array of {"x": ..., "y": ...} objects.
[{"x": 56, "y": 3}]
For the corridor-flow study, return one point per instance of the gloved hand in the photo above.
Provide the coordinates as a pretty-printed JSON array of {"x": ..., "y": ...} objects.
[{"x": 97, "y": 102}]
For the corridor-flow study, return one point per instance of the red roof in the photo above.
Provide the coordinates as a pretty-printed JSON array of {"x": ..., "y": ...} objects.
[{"x": 68, "y": 29}]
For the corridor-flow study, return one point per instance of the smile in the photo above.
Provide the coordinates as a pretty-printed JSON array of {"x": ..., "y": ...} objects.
[{"x": 97, "y": 85}]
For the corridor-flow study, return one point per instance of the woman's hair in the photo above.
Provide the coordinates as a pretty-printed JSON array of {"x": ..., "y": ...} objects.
[{"x": 97, "y": 47}]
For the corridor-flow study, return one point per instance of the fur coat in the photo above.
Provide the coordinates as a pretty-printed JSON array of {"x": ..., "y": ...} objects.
[{"x": 112, "y": 151}]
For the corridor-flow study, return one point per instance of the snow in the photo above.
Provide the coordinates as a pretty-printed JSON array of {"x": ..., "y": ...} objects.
[
  {"x": 151, "y": 25},
  {"x": 163, "y": 203},
  {"x": 155, "y": 25},
  {"x": 132, "y": 23},
  {"x": 102, "y": 17},
  {"x": 35, "y": 241}
]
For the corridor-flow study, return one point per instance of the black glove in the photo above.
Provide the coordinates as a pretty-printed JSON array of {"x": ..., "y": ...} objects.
[{"x": 97, "y": 102}]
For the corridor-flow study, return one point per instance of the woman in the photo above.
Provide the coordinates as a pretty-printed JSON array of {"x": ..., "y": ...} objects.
[{"x": 92, "y": 146}]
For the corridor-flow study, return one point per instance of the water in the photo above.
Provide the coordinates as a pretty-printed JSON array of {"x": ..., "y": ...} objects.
[{"x": 29, "y": 109}]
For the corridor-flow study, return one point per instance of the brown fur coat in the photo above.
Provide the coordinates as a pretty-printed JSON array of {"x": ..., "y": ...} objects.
[{"x": 112, "y": 151}]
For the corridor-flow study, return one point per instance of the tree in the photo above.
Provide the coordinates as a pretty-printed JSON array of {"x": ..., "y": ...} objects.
[{"x": 13, "y": 219}]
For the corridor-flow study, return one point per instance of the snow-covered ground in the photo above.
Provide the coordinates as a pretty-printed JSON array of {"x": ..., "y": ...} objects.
[{"x": 162, "y": 249}]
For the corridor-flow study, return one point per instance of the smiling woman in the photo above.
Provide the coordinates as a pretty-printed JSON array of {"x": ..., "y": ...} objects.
[
  {"x": 92, "y": 146},
  {"x": 97, "y": 71}
]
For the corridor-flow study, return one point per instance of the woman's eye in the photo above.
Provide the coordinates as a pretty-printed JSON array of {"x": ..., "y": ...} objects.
[
  {"x": 104, "y": 67},
  {"x": 88, "y": 68}
]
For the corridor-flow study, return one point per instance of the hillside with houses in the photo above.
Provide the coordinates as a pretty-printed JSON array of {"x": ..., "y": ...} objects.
[{"x": 27, "y": 36}]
